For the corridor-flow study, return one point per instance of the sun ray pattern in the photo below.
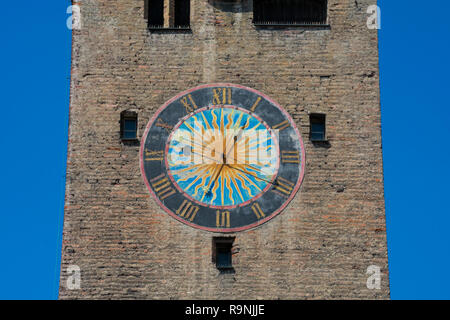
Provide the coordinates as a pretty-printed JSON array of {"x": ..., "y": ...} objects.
[{"x": 222, "y": 156}]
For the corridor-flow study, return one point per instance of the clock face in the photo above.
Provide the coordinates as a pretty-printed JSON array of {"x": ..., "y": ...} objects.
[{"x": 222, "y": 158}]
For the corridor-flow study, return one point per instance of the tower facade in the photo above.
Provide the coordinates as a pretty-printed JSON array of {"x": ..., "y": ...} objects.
[{"x": 306, "y": 222}]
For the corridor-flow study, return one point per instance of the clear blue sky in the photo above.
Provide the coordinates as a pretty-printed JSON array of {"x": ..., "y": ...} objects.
[{"x": 415, "y": 73}]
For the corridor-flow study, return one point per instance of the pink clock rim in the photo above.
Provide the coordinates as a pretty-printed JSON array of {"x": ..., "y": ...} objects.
[{"x": 223, "y": 230}]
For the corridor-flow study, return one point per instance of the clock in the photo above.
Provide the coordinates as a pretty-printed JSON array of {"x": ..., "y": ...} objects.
[{"x": 222, "y": 158}]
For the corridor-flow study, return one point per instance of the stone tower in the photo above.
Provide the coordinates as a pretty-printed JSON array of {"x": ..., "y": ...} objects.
[{"x": 320, "y": 64}]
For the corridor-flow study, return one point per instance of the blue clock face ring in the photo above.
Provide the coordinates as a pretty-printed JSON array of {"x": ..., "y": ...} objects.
[{"x": 222, "y": 156}]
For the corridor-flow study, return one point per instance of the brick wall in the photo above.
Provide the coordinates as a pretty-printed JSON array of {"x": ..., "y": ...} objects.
[{"x": 319, "y": 247}]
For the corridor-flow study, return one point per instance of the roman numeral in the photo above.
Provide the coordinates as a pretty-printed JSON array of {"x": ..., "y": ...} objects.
[
  {"x": 188, "y": 103},
  {"x": 187, "y": 210},
  {"x": 162, "y": 187},
  {"x": 222, "y": 219},
  {"x": 221, "y": 96},
  {"x": 257, "y": 210},
  {"x": 153, "y": 155},
  {"x": 160, "y": 123},
  {"x": 290, "y": 156},
  {"x": 256, "y": 104},
  {"x": 283, "y": 187},
  {"x": 283, "y": 125}
]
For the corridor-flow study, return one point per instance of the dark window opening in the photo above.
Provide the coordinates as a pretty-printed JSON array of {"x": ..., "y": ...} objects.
[
  {"x": 290, "y": 12},
  {"x": 174, "y": 16},
  {"x": 182, "y": 13},
  {"x": 128, "y": 125},
  {"x": 317, "y": 127},
  {"x": 222, "y": 253},
  {"x": 156, "y": 13}
]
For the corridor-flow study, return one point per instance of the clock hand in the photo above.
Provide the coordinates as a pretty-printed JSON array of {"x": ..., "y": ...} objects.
[
  {"x": 224, "y": 162},
  {"x": 246, "y": 164},
  {"x": 215, "y": 179},
  {"x": 247, "y": 173},
  {"x": 211, "y": 184},
  {"x": 214, "y": 160},
  {"x": 223, "y": 137},
  {"x": 200, "y": 145},
  {"x": 224, "y": 159},
  {"x": 236, "y": 126},
  {"x": 228, "y": 165},
  {"x": 235, "y": 138}
]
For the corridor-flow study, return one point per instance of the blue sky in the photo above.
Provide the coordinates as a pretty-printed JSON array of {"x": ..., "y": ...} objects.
[
  {"x": 35, "y": 64},
  {"x": 414, "y": 61}
]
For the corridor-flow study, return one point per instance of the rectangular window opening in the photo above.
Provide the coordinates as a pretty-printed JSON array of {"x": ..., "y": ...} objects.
[
  {"x": 290, "y": 12},
  {"x": 222, "y": 253},
  {"x": 182, "y": 13},
  {"x": 156, "y": 13},
  {"x": 128, "y": 125},
  {"x": 317, "y": 127}
]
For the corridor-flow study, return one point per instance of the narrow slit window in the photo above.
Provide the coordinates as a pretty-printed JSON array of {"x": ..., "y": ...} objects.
[
  {"x": 317, "y": 127},
  {"x": 156, "y": 13},
  {"x": 182, "y": 13},
  {"x": 128, "y": 126},
  {"x": 222, "y": 253},
  {"x": 290, "y": 12}
]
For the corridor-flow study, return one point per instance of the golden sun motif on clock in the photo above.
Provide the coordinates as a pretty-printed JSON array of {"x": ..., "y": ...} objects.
[{"x": 222, "y": 156}]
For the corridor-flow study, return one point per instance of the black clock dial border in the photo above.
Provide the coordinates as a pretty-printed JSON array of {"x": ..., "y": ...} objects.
[{"x": 263, "y": 209}]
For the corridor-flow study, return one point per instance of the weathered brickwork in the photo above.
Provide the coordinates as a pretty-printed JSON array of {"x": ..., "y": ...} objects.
[{"x": 319, "y": 247}]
